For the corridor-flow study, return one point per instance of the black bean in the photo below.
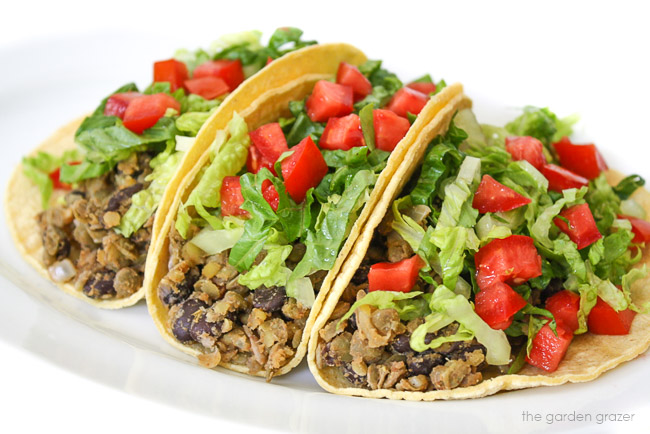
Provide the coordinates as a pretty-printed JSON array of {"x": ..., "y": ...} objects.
[
  {"x": 361, "y": 275},
  {"x": 100, "y": 285},
  {"x": 352, "y": 323},
  {"x": 401, "y": 344},
  {"x": 269, "y": 299},
  {"x": 121, "y": 195},
  {"x": 201, "y": 327},
  {"x": 171, "y": 295},
  {"x": 423, "y": 363},
  {"x": 184, "y": 319},
  {"x": 327, "y": 357},
  {"x": 354, "y": 378}
]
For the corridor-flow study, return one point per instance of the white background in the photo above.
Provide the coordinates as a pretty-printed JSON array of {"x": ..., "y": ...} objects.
[{"x": 587, "y": 57}]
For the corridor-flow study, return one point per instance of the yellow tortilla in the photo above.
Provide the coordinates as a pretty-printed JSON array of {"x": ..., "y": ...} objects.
[
  {"x": 267, "y": 108},
  {"x": 22, "y": 200},
  {"x": 588, "y": 355}
]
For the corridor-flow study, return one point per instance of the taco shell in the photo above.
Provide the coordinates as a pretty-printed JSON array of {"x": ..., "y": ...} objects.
[
  {"x": 267, "y": 108},
  {"x": 588, "y": 356}
]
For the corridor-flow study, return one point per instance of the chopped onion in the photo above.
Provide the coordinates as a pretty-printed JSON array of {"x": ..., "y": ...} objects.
[{"x": 62, "y": 271}]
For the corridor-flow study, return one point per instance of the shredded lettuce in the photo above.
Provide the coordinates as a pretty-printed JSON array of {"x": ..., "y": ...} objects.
[
  {"x": 229, "y": 159},
  {"x": 333, "y": 225},
  {"x": 271, "y": 271},
  {"x": 457, "y": 207},
  {"x": 190, "y": 123},
  {"x": 145, "y": 202},
  {"x": 39, "y": 167},
  {"x": 457, "y": 308},
  {"x": 542, "y": 124},
  {"x": 302, "y": 290},
  {"x": 213, "y": 241},
  {"x": 541, "y": 228}
]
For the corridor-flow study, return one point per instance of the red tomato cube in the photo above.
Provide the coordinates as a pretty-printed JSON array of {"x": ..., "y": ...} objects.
[
  {"x": 390, "y": 129},
  {"x": 492, "y": 196},
  {"x": 398, "y": 276},
  {"x": 604, "y": 320},
  {"x": 497, "y": 304},
  {"x": 270, "y": 194},
  {"x": 548, "y": 350},
  {"x": 585, "y": 160},
  {"x": 512, "y": 260},
  {"x": 329, "y": 100},
  {"x": 171, "y": 71},
  {"x": 207, "y": 87},
  {"x": 230, "y": 71},
  {"x": 526, "y": 148},
  {"x": 349, "y": 75},
  {"x": 304, "y": 169},
  {"x": 564, "y": 306},
  {"x": 560, "y": 179},
  {"x": 143, "y": 112},
  {"x": 582, "y": 227},
  {"x": 268, "y": 143},
  {"x": 342, "y": 133},
  {"x": 231, "y": 197},
  {"x": 117, "y": 103},
  {"x": 640, "y": 229},
  {"x": 425, "y": 88},
  {"x": 407, "y": 100}
]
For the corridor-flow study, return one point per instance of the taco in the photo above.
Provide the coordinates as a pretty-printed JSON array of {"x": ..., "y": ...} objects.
[
  {"x": 497, "y": 259},
  {"x": 260, "y": 225},
  {"x": 101, "y": 178}
]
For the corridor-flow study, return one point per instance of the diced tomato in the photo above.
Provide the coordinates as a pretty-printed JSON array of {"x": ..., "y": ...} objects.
[
  {"x": 145, "y": 111},
  {"x": 585, "y": 160},
  {"x": 548, "y": 350},
  {"x": 560, "y": 179},
  {"x": 229, "y": 71},
  {"x": 171, "y": 71},
  {"x": 329, "y": 100},
  {"x": 268, "y": 143},
  {"x": 342, "y": 133},
  {"x": 207, "y": 87},
  {"x": 269, "y": 59},
  {"x": 425, "y": 88},
  {"x": 270, "y": 194},
  {"x": 582, "y": 227},
  {"x": 526, "y": 148},
  {"x": 497, "y": 304},
  {"x": 604, "y": 320},
  {"x": 231, "y": 197},
  {"x": 492, "y": 196},
  {"x": 117, "y": 103},
  {"x": 349, "y": 75},
  {"x": 407, "y": 100},
  {"x": 303, "y": 169},
  {"x": 389, "y": 129},
  {"x": 512, "y": 260},
  {"x": 564, "y": 306},
  {"x": 395, "y": 276},
  {"x": 55, "y": 176},
  {"x": 640, "y": 229}
]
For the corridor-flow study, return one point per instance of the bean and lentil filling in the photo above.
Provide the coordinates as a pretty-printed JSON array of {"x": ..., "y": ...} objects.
[{"x": 80, "y": 244}]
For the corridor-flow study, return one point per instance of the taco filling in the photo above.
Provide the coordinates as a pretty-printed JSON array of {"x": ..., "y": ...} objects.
[
  {"x": 268, "y": 215},
  {"x": 96, "y": 227},
  {"x": 504, "y": 245}
]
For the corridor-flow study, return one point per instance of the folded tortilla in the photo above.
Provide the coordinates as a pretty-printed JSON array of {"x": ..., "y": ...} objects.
[
  {"x": 22, "y": 199},
  {"x": 267, "y": 108},
  {"x": 588, "y": 356}
]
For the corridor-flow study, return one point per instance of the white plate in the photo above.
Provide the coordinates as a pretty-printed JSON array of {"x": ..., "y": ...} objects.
[{"x": 123, "y": 349}]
